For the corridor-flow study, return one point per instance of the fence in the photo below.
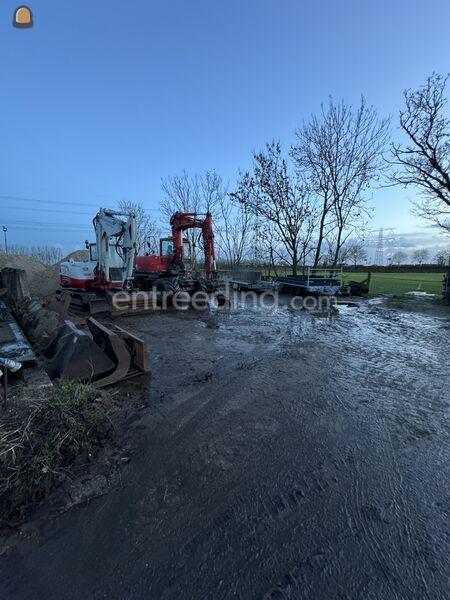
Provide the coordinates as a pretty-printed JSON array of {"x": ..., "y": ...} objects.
[{"x": 446, "y": 287}]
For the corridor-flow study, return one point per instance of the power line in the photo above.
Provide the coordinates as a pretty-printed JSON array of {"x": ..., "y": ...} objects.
[
  {"x": 59, "y": 202},
  {"x": 46, "y": 225},
  {"x": 20, "y": 199},
  {"x": 50, "y": 210}
]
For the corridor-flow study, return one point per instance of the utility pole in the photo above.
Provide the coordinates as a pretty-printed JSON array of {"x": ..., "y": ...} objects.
[
  {"x": 385, "y": 236},
  {"x": 379, "y": 251},
  {"x": 5, "y": 229}
]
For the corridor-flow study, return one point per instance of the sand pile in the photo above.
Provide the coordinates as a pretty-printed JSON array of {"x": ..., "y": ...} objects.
[
  {"x": 46, "y": 282},
  {"x": 31, "y": 266},
  {"x": 42, "y": 280}
]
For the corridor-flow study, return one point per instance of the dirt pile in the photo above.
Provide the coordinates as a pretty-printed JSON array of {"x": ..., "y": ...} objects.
[
  {"x": 43, "y": 280},
  {"x": 31, "y": 266},
  {"x": 46, "y": 282}
]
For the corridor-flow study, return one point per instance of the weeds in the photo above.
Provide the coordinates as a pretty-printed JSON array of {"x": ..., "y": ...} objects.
[{"x": 44, "y": 440}]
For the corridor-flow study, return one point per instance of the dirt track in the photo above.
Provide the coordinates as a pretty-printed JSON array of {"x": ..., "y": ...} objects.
[{"x": 282, "y": 455}]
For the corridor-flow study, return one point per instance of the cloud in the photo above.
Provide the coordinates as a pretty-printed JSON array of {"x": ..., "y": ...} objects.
[
  {"x": 410, "y": 241},
  {"x": 414, "y": 239}
]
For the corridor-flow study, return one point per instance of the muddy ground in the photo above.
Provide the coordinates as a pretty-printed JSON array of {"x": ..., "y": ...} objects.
[{"x": 282, "y": 454}]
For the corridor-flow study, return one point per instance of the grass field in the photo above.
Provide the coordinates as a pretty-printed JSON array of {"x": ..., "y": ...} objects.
[
  {"x": 399, "y": 283},
  {"x": 388, "y": 282}
]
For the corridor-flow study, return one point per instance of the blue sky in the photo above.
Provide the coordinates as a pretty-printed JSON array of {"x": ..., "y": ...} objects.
[{"x": 101, "y": 99}]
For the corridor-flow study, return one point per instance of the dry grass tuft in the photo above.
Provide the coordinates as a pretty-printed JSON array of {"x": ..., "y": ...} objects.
[{"x": 44, "y": 440}]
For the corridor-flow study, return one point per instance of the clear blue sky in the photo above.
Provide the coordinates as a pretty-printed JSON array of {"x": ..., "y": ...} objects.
[{"x": 101, "y": 99}]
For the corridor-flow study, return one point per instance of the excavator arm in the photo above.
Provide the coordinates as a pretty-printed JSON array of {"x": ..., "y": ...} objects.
[
  {"x": 108, "y": 225},
  {"x": 180, "y": 222}
]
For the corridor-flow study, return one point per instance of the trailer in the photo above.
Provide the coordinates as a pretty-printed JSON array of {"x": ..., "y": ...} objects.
[
  {"x": 315, "y": 282},
  {"x": 259, "y": 285},
  {"x": 249, "y": 280}
]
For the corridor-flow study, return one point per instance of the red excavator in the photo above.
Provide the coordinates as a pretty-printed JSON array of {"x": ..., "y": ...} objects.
[{"x": 170, "y": 270}]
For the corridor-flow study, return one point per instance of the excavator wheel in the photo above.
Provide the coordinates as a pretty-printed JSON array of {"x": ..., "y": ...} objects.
[
  {"x": 171, "y": 286},
  {"x": 202, "y": 285}
]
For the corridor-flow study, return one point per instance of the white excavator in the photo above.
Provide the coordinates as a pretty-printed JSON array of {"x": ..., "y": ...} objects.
[{"x": 109, "y": 266}]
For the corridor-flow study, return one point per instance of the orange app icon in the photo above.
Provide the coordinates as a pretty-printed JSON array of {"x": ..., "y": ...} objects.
[{"x": 23, "y": 17}]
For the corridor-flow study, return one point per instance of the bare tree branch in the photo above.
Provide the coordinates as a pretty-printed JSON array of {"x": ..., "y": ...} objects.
[
  {"x": 341, "y": 152},
  {"x": 274, "y": 194},
  {"x": 196, "y": 194},
  {"x": 234, "y": 232},
  {"x": 424, "y": 161},
  {"x": 147, "y": 230}
]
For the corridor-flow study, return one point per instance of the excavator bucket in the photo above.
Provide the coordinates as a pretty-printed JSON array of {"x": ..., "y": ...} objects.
[
  {"x": 58, "y": 302},
  {"x": 102, "y": 358},
  {"x": 128, "y": 352},
  {"x": 72, "y": 354},
  {"x": 97, "y": 354}
]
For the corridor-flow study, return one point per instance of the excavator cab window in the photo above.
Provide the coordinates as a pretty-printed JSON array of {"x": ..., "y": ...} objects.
[
  {"x": 93, "y": 255},
  {"x": 187, "y": 256},
  {"x": 166, "y": 247},
  {"x": 115, "y": 259}
]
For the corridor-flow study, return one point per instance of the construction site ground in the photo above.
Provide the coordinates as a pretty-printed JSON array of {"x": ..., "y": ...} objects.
[{"x": 280, "y": 454}]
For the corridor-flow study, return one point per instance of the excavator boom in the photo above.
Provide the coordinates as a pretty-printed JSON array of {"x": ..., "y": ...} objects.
[{"x": 180, "y": 222}]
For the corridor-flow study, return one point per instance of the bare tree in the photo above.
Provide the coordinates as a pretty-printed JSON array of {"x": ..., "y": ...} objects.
[
  {"x": 234, "y": 232},
  {"x": 14, "y": 249},
  {"x": 420, "y": 255},
  {"x": 353, "y": 251},
  {"x": 271, "y": 192},
  {"x": 266, "y": 246},
  {"x": 192, "y": 194},
  {"x": 181, "y": 193},
  {"x": 398, "y": 257},
  {"x": 424, "y": 161},
  {"x": 147, "y": 230},
  {"x": 341, "y": 151},
  {"x": 328, "y": 250},
  {"x": 49, "y": 255},
  {"x": 442, "y": 257}
]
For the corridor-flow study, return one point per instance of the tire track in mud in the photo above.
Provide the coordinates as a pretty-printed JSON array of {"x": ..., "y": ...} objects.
[
  {"x": 293, "y": 472},
  {"x": 409, "y": 550},
  {"x": 404, "y": 518},
  {"x": 261, "y": 513},
  {"x": 195, "y": 421},
  {"x": 280, "y": 504}
]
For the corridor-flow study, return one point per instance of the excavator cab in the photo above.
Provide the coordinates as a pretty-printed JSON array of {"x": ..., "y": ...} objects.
[
  {"x": 174, "y": 264},
  {"x": 115, "y": 261},
  {"x": 166, "y": 248}
]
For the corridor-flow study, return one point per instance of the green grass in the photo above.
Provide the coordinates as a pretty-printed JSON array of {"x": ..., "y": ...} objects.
[{"x": 399, "y": 283}]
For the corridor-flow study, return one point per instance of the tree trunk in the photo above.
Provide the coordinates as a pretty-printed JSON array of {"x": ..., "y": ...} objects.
[
  {"x": 338, "y": 246},
  {"x": 321, "y": 228},
  {"x": 272, "y": 262},
  {"x": 294, "y": 262}
]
